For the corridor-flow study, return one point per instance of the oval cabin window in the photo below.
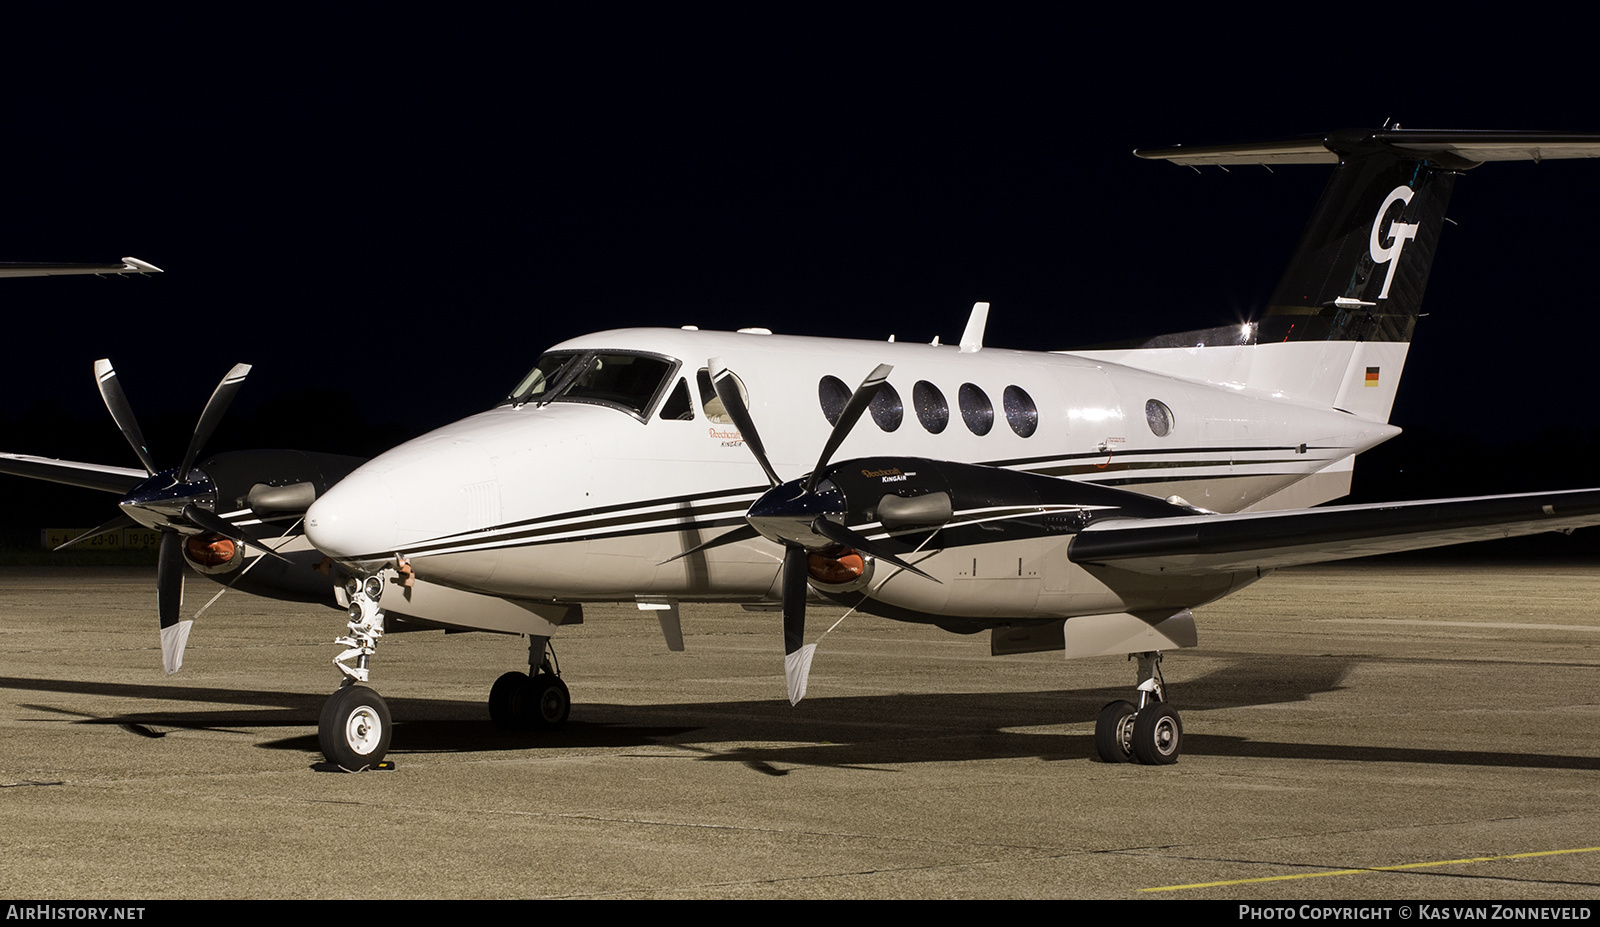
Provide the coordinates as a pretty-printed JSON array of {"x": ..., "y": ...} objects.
[
  {"x": 976, "y": 409},
  {"x": 932, "y": 411}
]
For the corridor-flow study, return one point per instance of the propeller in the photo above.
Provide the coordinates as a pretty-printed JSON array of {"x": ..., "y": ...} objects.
[
  {"x": 796, "y": 515},
  {"x": 177, "y": 502}
]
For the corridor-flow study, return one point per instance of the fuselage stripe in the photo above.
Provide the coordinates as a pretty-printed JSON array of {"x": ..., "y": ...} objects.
[{"x": 699, "y": 511}]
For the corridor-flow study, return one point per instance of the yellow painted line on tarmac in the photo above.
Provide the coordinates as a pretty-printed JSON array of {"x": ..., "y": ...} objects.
[{"x": 1342, "y": 872}]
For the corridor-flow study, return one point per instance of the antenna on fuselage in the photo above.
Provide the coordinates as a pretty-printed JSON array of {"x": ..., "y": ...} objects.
[{"x": 972, "y": 338}]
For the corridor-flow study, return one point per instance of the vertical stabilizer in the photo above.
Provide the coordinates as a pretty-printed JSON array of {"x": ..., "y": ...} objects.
[
  {"x": 1337, "y": 327},
  {"x": 1362, "y": 264}
]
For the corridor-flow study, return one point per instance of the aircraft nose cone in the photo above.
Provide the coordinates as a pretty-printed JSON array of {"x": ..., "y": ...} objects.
[{"x": 354, "y": 518}]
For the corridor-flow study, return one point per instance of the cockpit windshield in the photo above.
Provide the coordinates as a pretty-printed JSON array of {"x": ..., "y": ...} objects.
[
  {"x": 542, "y": 378},
  {"x": 623, "y": 380}
]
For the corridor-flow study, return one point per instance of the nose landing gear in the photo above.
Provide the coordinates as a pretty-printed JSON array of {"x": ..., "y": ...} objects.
[{"x": 355, "y": 727}]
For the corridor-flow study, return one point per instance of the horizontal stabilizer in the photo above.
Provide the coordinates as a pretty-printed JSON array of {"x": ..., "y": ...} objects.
[
  {"x": 1271, "y": 540},
  {"x": 1462, "y": 148},
  {"x": 87, "y": 475}
]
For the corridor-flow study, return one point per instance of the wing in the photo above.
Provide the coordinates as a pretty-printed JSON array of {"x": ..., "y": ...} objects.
[
  {"x": 90, "y": 476},
  {"x": 1193, "y": 544},
  {"x": 37, "y": 269}
]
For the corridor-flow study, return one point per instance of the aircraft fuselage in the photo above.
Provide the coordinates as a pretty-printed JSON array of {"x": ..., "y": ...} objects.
[{"x": 587, "y": 500}]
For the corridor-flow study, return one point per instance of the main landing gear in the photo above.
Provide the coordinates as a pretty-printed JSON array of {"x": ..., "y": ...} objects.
[
  {"x": 355, "y": 728},
  {"x": 536, "y": 700},
  {"x": 1150, "y": 732}
]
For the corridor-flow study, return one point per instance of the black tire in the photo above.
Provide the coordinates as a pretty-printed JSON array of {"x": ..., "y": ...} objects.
[
  {"x": 505, "y": 697},
  {"x": 1110, "y": 732},
  {"x": 1157, "y": 735},
  {"x": 549, "y": 703},
  {"x": 354, "y": 729}
]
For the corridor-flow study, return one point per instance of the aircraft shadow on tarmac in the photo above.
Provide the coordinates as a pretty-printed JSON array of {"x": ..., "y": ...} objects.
[{"x": 841, "y": 732}]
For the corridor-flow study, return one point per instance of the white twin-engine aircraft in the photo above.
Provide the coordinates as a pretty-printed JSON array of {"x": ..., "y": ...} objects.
[
  {"x": 1079, "y": 501},
  {"x": 1083, "y": 501}
]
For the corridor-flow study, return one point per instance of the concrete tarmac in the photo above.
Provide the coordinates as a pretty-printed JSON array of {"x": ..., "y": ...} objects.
[{"x": 1353, "y": 731}]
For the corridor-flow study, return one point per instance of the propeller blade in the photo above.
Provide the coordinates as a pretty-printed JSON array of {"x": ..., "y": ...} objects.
[
  {"x": 199, "y": 516},
  {"x": 121, "y": 521},
  {"x": 733, "y": 403},
  {"x": 122, "y": 413},
  {"x": 797, "y": 655},
  {"x": 794, "y": 598},
  {"x": 169, "y": 602},
  {"x": 215, "y": 406},
  {"x": 859, "y": 401},
  {"x": 839, "y": 534},
  {"x": 742, "y": 533}
]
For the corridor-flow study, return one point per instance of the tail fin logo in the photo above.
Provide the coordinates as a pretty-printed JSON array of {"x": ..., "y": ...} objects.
[{"x": 1399, "y": 233}]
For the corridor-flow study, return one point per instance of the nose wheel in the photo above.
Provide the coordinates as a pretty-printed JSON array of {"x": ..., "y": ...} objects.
[
  {"x": 354, "y": 729},
  {"x": 1150, "y": 732}
]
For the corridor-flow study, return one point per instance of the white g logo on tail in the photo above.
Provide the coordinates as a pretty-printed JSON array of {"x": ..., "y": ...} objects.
[{"x": 1400, "y": 232}]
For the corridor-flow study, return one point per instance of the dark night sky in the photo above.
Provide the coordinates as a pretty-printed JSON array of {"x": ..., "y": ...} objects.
[{"x": 392, "y": 212}]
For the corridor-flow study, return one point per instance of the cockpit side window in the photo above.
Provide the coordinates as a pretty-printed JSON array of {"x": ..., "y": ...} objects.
[{"x": 677, "y": 408}]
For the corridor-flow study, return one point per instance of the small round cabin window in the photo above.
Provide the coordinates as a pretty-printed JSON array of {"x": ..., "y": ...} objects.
[
  {"x": 1021, "y": 413},
  {"x": 1159, "y": 417},
  {"x": 976, "y": 409},
  {"x": 932, "y": 411},
  {"x": 833, "y": 395},
  {"x": 887, "y": 409}
]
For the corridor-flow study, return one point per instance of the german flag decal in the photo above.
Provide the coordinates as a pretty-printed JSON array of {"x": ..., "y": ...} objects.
[{"x": 1372, "y": 376}]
